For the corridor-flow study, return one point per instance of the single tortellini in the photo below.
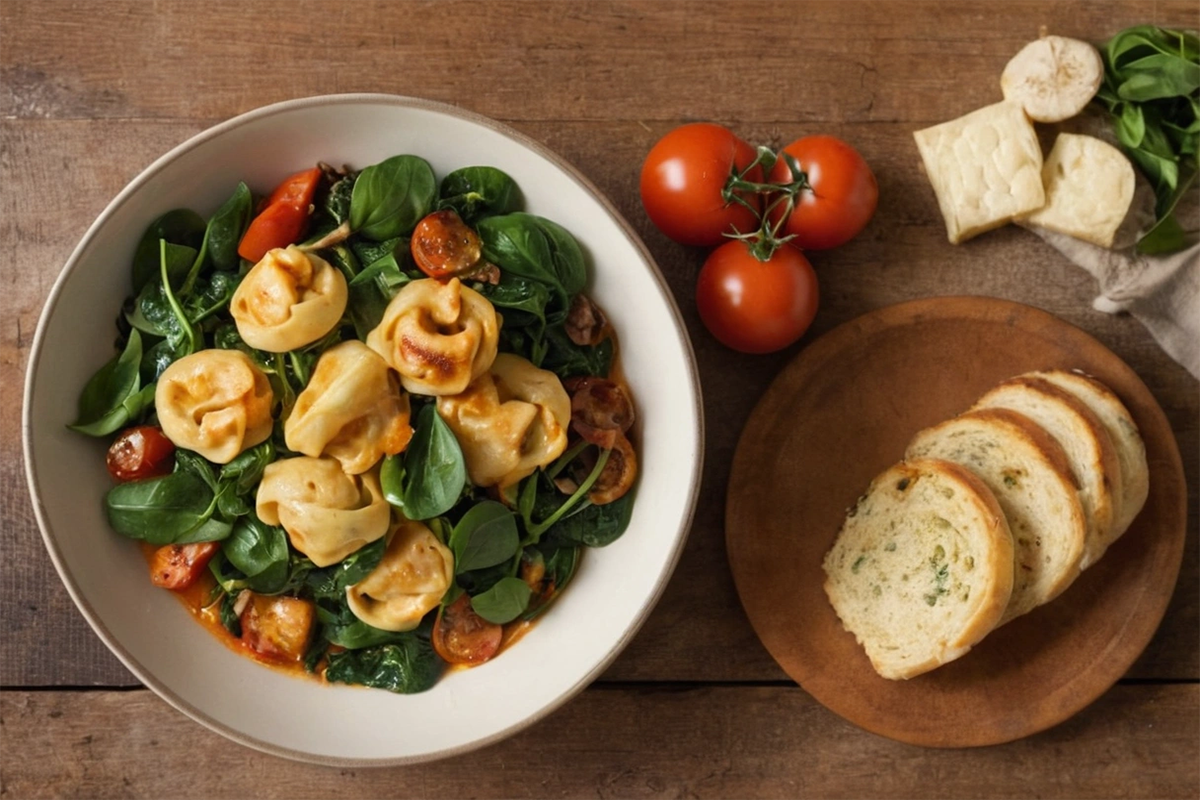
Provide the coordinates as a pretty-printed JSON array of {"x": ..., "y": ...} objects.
[
  {"x": 327, "y": 514},
  {"x": 510, "y": 421},
  {"x": 287, "y": 300},
  {"x": 439, "y": 337},
  {"x": 352, "y": 409},
  {"x": 216, "y": 402},
  {"x": 414, "y": 573}
]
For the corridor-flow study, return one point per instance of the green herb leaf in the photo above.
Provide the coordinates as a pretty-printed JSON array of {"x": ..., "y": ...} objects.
[
  {"x": 427, "y": 479},
  {"x": 180, "y": 227},
  {"x": 485, "y": 536},
  {"x": 475, "y": 192},
  {"x": 112, "y": 397},
  {"x": 260, "y": 552},
  {"x": 391, "y": 197},
  {"x": 504, "y": 602},
  {"x": 406, "y": 667}
]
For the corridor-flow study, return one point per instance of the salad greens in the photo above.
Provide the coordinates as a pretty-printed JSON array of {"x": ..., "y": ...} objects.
[{"x": 514, "y": 550}]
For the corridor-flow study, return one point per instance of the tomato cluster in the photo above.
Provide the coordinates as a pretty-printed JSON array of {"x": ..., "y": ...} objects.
[{"x": 702, "y": 185}]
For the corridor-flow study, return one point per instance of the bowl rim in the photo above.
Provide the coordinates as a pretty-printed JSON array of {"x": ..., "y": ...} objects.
[{"x": 368, "y": 98}]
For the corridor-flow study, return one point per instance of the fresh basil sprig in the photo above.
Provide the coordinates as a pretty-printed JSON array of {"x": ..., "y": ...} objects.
[{"x": 1152, "y": 89}]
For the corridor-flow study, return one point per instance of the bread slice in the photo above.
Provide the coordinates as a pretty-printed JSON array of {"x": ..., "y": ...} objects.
[
  {"x": 1131, "y": 451},
  {"x": 922, "y": 567},
  {"x": 985, "y": 167},
  {"x": 1031, "y": 478},
  {"x": 1083, "y": 438}
]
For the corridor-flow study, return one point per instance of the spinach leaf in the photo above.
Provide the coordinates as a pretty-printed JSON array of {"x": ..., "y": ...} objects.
[
  {"x": 339, "y": 626},
  {"x": 567, "y": 359},
  {"x": 485, "y": 536},
  {"x": 174, "y": 509},
  {"x": 366, "y": 302},
  {"x": 181, "y": 226},
  {"x": 187, "y": 337},
  {"x": 427, "y": 479},
  {"x": 260, "y": 552},
  {"x": 592, "y": 525},
  {"x": 331, "y": 582},
  {"x": 229, "y": 618},
  {"x": 560, "y": 564},
  {"x": 114, "y": 395},
  {"x": 504, "y": 602},
  {"x": 245, "y": 471},
  {"x": 391, "y": 197},
  {"x": 535, "y": 248},
  {"x": 227, "y": 226},
  {"x": 524, "y": 301},
  {"x": 405, "y": 667},
  {"x": 151, "y": 313},
  {"x": 337, "y": 202},
  {"x": 476, "y": 192},
  {"x": 210, "y": 297}
]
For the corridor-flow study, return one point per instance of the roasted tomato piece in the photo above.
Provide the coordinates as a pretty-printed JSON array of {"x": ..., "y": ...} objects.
[
  {"x": 177, "y": 566},
  {"x": 600, "y": 410},
  {"x": 617, "y": 476},
  {"x": 278, "y": 627},
  {"x": 586, "y": 324},
  {"x": 444, "y": 246},
  {"x": 460, "y": 636},
  {"x": 140, "y": 452}
]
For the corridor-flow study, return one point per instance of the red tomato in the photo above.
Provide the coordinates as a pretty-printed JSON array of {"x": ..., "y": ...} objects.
[
  {"x": 755, "y": 306},
  {"x": 284, "y": 218},
  {"x": 443, "y": 245},
  {"x": 177, "y": 566},
  {"x": 841, "y": 199},
  {"x": 460, "y": 636},
  {"x": 140, "y": 452},
  {"x": 682, "y": 182}
]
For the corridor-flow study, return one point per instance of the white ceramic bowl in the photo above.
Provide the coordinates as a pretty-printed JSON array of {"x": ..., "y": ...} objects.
[{"x": 151, "y": 632}]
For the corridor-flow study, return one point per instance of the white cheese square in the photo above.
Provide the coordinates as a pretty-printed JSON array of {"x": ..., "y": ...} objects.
[{"x": 985, "y": 167}]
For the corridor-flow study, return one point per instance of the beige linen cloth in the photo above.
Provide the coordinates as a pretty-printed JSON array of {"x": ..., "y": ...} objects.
[{"x": 1163, "y": 292}]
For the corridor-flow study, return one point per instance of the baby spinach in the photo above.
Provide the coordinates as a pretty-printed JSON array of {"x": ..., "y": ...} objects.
[
  {"x": 245, "y": 470},
  {"x": 227, "y": 226},
  {"x": 1152, "y": 90},
  {"x": 427, "y": 479},
  {"x": 476, "y": 192},
  {"x": 331, "y": 582},
  {"x": 174, "y": 509},
  {"x": 592, "y": 525},
  {"x": 404, "y": 667},
  {"x": 391, "y": 197},
  {"x": 560, "y": 564},
  {"x": 535, "y": 248},
  {"x": 260, "y": 552},
  {"x": 337, "y": 203},
  {"x": 339, "y": 626},
  {"x": 567, "y": 359},
  {"x": 484, "y": 537},
  {"x": 179, "y": 227},
  {"x": 504, "y": 602},
  {"x": 114, "y": 396}
]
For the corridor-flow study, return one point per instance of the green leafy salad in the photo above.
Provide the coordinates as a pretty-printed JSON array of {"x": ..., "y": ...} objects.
[{"x": 366, "y": 424}]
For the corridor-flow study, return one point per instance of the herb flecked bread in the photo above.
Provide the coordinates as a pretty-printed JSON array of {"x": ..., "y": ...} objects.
[
  {"x": 921, "y": 569},
  {"x": 1030, "y": 476},
  {"x": 1131, "y": 450},
  {"x": 1084, "y": 439}
]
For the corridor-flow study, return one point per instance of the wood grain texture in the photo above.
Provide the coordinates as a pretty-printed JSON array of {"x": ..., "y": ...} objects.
[{"x": 614, "y": 741}]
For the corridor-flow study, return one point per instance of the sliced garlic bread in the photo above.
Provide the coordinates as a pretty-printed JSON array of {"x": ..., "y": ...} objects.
[
  {"x": 1131, "y": 451},
  {"x": 922, "y": 568},
  {"x": 1084, "y": 439},
  {"x": 1029, "y": 474}
]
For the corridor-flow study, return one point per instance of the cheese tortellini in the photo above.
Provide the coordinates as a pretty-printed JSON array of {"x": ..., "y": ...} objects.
[
  {"x": 414, "y": 573},
  {"x": 352, "y": 409},
  {"x": 216, "y": 402},
  {"x": 439, "y": 337},
  {"x": 327, "y": 514},
  {"x": 510, "y": 421},
  {"x": 287, "y": 300}
]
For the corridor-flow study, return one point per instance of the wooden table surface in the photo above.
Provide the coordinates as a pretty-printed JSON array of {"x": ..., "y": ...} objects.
[{"x": 92, "y": 92}]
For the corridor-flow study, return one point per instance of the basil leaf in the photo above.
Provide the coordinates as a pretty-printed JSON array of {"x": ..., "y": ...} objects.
[
  {"x": 504, "y": 602},
  {"x": 391, "y": 197},
  {"x": 485, "y": 536},
  {"x": 179, "y": 227},
  {"x": 260, "y": 552},
  {"x": 111, "y": 396}
]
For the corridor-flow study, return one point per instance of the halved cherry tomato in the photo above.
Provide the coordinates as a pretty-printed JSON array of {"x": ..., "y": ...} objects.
[
  {"x": 755, "y": 306},
  {"x": 460, "y": 636},
  {"x": 841, "y": 199},
  {"x": 278, "y": 627},
  {"x": 177, "y": 566},
  {"x": 284, "y": 218},
  {"x": 444, "y": 246},
  {"x": 140, "y": 452},
  {"x": 683, "y": 180}
]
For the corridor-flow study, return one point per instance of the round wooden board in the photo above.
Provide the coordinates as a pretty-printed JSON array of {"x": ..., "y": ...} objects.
[{"x": 842, "y": 412}]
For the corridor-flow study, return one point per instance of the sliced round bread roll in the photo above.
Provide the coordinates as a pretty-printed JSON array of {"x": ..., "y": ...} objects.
[
  {"x": 922, "y": 568},
  {"x": 1084, "y": 439},
  {"x": 1029, "y": 474},
  {"x": 1131, "y": 451}
]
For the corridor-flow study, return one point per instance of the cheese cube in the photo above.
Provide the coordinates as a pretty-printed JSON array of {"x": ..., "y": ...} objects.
[
  {"x": 1089, "y": 187},
  {"x": 985, "y": 167}
]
